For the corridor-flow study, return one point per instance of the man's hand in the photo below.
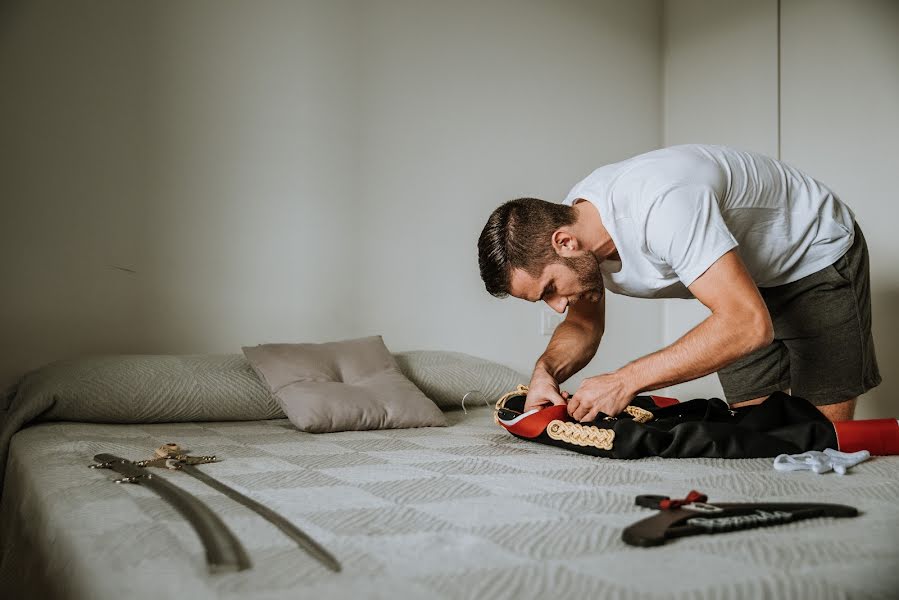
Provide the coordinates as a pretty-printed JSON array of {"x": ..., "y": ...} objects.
[
  {"x": 608, "y": 394},
  {"x": 543, "y": 391}
]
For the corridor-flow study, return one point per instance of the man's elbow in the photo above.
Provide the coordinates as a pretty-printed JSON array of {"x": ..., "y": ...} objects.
[{"x": 760, "y": 333}]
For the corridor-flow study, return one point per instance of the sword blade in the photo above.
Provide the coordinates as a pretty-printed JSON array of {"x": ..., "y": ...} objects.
[
  {"x": 224, "y": 551},
  {"x": 292, "y": 531}
]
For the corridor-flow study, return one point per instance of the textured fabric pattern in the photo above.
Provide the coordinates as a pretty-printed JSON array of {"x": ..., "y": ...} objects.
[
  {"x": 161, "y": 388},
  {"x": 446, "y": 377},
  {"x": 138, "y": 389},
  {"x": 151, "y": 388},
  {"x": 465, "y": 511},
  {"x": 349, "y": 385}
]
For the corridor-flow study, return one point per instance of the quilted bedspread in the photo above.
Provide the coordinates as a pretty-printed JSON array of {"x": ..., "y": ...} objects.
[{"x": 466, "y": 511}]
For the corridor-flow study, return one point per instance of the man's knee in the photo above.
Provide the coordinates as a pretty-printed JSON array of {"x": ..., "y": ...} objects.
[
  {"x": 840, "y": 411},
  {"x": 754, "y": 400},
  {"x": 748, "y": 402}
]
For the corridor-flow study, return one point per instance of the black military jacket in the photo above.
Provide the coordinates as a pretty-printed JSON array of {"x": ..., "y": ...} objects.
[{"x": 651, "y": 426}]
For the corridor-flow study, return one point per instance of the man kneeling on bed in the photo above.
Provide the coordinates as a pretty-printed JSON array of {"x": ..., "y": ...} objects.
[{"x": 775, "y": 255}]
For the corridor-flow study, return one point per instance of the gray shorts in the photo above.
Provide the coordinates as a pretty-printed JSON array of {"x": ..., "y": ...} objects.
[{"x": 823, "y": 350}]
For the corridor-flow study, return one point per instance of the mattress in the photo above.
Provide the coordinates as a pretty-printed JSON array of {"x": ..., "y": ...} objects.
[{"x": 465, "y": 511}]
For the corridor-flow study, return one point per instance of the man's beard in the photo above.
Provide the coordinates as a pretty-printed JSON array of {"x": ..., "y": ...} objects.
[{"x": 586, "y": 267}]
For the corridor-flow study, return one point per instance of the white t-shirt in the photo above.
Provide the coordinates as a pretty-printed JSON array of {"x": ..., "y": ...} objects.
[{"x": 673, "y": 212}]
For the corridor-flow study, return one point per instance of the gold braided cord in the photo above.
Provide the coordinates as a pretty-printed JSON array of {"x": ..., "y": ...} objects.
[
  {"x": 518, "y": 391},
  {"x": 581, "y": 435},
  {"x": 640, "y": 415}
]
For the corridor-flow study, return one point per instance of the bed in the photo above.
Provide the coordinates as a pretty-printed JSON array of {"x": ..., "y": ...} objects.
[{"x": 463, "y": 511}]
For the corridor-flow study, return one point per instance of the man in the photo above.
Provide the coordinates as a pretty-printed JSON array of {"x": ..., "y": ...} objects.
[{"x": 773, "y": 253}]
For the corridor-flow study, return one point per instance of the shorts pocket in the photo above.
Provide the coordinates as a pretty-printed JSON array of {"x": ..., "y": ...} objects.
[{"x": 840, "y": 268}]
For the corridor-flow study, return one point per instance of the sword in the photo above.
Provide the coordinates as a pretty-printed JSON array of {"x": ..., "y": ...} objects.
[
  {"x": 223, "y": 549},
  {"x": 172, "y": 456}
]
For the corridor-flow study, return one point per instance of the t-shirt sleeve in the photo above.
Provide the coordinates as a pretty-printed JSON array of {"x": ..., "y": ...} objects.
[{"x": 685, "y": 230}]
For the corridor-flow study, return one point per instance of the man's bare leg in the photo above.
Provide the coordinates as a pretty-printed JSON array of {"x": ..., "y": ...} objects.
[
  {"x": 749, "y": 402},
  {"x": 841, "y": 411}
]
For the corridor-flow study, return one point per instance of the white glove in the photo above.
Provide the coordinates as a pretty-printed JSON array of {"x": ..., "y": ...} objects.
[{"x": 820, "y": 462}]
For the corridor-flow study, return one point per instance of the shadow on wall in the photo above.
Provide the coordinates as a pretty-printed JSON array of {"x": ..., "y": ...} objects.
[{"x": 883, "y": 401}]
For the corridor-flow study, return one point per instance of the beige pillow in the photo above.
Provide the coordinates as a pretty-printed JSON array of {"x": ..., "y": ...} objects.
[
  {"x": 448, "y": 377},
  {"x": 342, "y": 386}
]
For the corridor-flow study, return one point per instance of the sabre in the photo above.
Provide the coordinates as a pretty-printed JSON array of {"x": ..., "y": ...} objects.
[
  {"x": 223, "y": 550},
  {"x": 171, "y": 456}
]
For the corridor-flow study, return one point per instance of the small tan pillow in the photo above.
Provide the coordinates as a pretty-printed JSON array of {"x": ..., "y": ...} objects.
[{"x": 342, "y": 386}]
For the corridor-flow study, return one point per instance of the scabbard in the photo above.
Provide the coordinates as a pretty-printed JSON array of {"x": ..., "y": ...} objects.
[
  {"x": 289, "y": 529},
  {"x": 224, "y": 551},
  {"x": 727, "y": 516}
]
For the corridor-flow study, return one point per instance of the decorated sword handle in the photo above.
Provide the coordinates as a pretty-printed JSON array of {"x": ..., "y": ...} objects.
[{"x": 171, "y": 456}]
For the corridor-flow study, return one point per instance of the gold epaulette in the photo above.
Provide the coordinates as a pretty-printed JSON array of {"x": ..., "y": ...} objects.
[
  {"x": 640, "y": 415},
  {"x": 518, "y": 391},
  {"x": 581, "y": 435}
]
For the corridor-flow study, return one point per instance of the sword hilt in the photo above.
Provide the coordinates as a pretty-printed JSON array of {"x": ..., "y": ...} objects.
[
  {"x": 168, "y": 449},
  {"x": 171, "y": 455}
]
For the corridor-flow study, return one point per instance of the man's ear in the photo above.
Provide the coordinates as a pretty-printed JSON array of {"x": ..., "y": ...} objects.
[{"x": 564, "y": 243}]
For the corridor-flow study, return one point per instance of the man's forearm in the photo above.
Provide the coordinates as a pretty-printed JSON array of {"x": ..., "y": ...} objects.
[
  {"x": 569, "y": 350},
  {"x": 714, "y": 343}
]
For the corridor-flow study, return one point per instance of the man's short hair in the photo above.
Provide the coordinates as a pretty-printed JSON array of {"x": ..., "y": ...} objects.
[{"x": 518, "y": 236}]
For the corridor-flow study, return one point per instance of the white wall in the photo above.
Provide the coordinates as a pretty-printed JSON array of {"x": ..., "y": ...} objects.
[
  {"x": 210, "y": 148},
  {"x": 191, "y": 177},
  {"x": 720, "y": 87},
  {"x": 840, "y": 113},
  {"x": 839, "y": 121},
  {"x": 249, "y": 231},
  {"x": 470, "y": 104},
  {"x": 72, "y": 179}
]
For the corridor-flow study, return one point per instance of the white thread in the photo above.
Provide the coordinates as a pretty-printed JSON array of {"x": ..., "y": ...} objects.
[{"x": 483, "y": 395}]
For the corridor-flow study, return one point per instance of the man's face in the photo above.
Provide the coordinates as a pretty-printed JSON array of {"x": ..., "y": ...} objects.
[{"x": 562, "y": 283}]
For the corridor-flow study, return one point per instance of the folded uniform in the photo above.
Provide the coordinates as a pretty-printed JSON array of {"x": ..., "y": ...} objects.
[{"x": 658, "y": 426}]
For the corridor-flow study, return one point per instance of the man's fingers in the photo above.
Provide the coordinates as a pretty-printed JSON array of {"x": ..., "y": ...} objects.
[
  {"x": 542, "y": 400},
  {"x": 532, "y": 404},
  {"x": 580, "y": 413},
  {"x": 586, "y": 413},
  {"x": 560, "y": 400},
  {"x": 553, "y": 398},
  {"x": 582, "y": 409},
  {"x": 591, "y": 415}
]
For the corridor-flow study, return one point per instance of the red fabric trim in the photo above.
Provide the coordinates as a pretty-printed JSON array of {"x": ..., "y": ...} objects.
[
  {"x": 535, "y": 424},
  {"x": 664, "y": 401},
  {"x": 880, "y": 437},
  {"x": 693, "y": 496}
]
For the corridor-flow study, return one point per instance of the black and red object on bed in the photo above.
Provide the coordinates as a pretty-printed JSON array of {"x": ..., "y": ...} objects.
[
  {"x": 703, "y": 427},
  {"x": 694, "y": 516}
]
